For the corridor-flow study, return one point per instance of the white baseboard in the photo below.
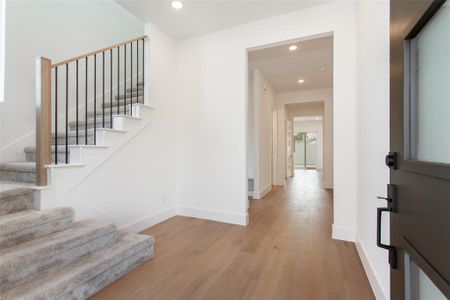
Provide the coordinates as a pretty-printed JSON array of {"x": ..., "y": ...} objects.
[
  {"x": 212, "y": 215},
  {"x": 149, "y": 221},
  {"x": 262, "y": 193},
  {"x": 373, "y": 280},
  {"x": 343, "y": 233}
]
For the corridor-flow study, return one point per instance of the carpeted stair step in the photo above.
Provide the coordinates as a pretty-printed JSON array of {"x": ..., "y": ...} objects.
[
  {"x": 18, "y": 171},
  {"x": 27, "y": 225},
  {"x": 129, "y": 95},
  {"x": 30, "y": 153},
  {"x": 121, "y": 103},
  {"x": 27, "y": 260},
  {"x": 99, "y": 113},
  {"x": 90, "y": 124},
  {"x": 135, "y": 89},
  {"x": 72, "y": 137},
  {"x": 14, "y": 199},
  {"x": 90, "y": 273}
]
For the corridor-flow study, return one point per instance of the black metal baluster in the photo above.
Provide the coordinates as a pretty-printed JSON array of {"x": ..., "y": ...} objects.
[
  {"x": 103, "y": 89},
  {"x": 143, "y": 69},
  {"x": 67, "y": 115},
  {"x": 125, "y": 79},
  {"x": 76, "y": 100},
  {"x": 131, "y": 76},
  {"x": 86, "y": 105},
  {"x": 118, "y": 79},
  {"x": 95, "y": 99},
  {"x": 110, "y": 86},
  {"x": 56, "y": 115}
]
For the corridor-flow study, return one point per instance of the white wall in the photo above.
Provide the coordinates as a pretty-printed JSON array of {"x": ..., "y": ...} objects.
[
  {"x": 321, "y": 95},
  {"x": 134, "y": 185},
  {"x": 212, "y": 76},
  {"x": 263, "y": 106},
  {"x": 2, "y": 49},
  {"x": 71, "y": 28},
  {"x": 310, "y": 126},
  {"x": 373, "y": 137},
  {"x": 251, "y": 137}
]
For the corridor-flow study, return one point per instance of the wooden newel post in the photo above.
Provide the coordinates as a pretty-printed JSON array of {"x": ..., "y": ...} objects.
[{"x": 43, "y": 118}]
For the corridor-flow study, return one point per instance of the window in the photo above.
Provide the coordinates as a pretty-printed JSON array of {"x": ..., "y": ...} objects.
[{"x": 428, "y": 97}]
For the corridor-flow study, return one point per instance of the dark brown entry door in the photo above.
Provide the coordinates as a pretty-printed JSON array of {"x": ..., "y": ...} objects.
[{"x": 419, "y": 193}]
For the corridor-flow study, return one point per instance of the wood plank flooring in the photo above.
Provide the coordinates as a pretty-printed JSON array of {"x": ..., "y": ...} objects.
[{"x": 286, "y": 252}]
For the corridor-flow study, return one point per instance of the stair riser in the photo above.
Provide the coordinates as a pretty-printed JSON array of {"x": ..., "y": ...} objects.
[
  {"x": 99, "y": 282},
  {"x": 15, "y": 203},
  {"x": 10, "y": 239},
  {"x": 31, "y": 156},
  {"x": 52, "y": 260},
  {"x": 28, "y": 177}
]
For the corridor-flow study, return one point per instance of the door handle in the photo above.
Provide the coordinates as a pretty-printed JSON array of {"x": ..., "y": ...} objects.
[{"x": 392, "y": 250}]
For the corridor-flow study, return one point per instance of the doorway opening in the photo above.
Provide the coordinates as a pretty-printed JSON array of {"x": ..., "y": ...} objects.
[
  {"x": 290, "y": 113},
  {"x": 308, "y": 143}
]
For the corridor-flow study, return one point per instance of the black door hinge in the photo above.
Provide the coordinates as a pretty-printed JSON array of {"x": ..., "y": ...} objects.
[{"x": 391, "y": 160}]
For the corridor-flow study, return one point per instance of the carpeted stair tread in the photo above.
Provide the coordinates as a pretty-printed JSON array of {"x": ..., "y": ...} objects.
[
  {"x": 89, "y": 274},
  {"x": 133, "y": 94},
  {"x": 20, "y": 262},
  {"x": 121, "y": 103},
  {"x": 27, "y": 225},
  {"x": 134, "y": 89},
  {"x": 19, "y": 166},
  {"x": 90, "y": 124},
  {"x": 14, "y": 199},
  {"x": 18, "y": 171}
]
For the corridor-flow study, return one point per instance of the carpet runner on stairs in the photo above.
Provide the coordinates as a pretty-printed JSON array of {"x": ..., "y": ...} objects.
[{"x": 46, "y": 255}]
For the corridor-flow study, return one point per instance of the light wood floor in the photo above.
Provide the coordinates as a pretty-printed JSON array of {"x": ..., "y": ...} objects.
[{"x": 286, "y": 252}]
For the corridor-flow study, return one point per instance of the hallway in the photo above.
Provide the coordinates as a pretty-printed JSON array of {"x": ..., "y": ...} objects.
[{"x": 286, "y": 252}]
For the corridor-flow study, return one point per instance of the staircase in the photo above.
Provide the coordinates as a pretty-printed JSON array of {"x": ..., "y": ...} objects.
[
  {"x": 25, "y": 171},
  {"x": 46, "y": 255}
]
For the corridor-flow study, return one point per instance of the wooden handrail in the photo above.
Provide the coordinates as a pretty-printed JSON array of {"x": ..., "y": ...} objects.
[{"x": 97, "y": 51}]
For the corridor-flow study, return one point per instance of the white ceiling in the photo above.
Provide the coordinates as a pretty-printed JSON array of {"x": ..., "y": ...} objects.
[
  {"x": 312, "y": 61},
  {"x": 201, "y": 17}
]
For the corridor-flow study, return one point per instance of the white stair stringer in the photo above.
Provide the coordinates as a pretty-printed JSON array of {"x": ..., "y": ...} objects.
[{"x": 85, "y": 160}]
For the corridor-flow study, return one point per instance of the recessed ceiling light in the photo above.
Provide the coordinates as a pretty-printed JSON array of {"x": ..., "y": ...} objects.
[
  {"x": 323, "y": 69},
  {"x": 293, "y": 48},
  {"x": 301, "y": 81},
  {"x": 177, "y": 4},
  {"x": 318, "y": 118}
]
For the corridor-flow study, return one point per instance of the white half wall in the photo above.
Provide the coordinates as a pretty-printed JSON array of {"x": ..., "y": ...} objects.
[
  {"x": 212, "y": 81},
  {"x": 70, "y": 28},
  {"x": 373, "y": 138}
]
